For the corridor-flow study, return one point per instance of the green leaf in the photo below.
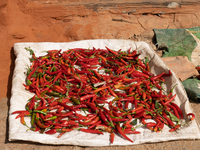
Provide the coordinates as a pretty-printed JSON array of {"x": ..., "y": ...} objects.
[
  {"x": 28, "y": 82},
  {"x": 85, "y": 110},
  {"x": 173, "y": 88},
  {"x": 34, "y": 75},
  {"x": 157, "y": 105},
  {"x": 30, "y": 50},
  {"x": 159, "y": 111},
  {"x": 57, "y": 83},
  {"x": 111, "y": 124},
  {"x": 54, "y": 69},
  {"x": 128, "y": 66},
  {"x": 173, "y": 117},
  {"x": 92, "y": 56},
  {"x": 134, "y": 122},
  {"x": 146, "y": 60},
  {"x": 76, "y": 101},
  {"x": 31, "y": 59}
]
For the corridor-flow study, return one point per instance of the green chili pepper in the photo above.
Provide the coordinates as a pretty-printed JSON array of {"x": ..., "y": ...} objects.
[
  {"x": 76, "y": 101},
  {"x": 33, "y": 119},
  {"x": 40, "y": 111},
  {"x": 51, "y": 118}
]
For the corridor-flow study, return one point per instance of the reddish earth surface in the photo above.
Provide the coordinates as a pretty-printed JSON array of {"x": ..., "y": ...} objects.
[{"x": 72, "y": 20}]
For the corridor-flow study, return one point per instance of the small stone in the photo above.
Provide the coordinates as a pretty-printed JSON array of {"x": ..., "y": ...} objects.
[
  {"x": 173, "y": 5},
  {"x": 19, "y": 35},
  {"x": 147, "y": 34}
]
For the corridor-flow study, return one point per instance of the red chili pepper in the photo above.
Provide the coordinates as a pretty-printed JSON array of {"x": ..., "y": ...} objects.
[
  {"x": 58, "y": 76},
  {"x": 119, "y": 119},
  {"x": 41, "y": 108},
  {"x": 63, "y": 131},
  {"x": 42, "y": 117},
  {"x": 54, "y": 107},
  {"x": 31, "y": 73},
  {"x": 119, "y": 105},
  {"x": 136, "y": 73},
  {"x": 153, "y": 106},
  {"x": 143, "y": 121},
  {"x": 141, "y": 64},
  {"x": 51, "y": 131},
  {"x": 53, "y": 73},
  {"x": 39, "y": 123},
  {"x": 135, "y": 103},
  {"x": 66, "y": 114},
  {"x": 53, "y": 103},
  {"x": 131, "y": 132},
  {"x": 151, "y": 124},
  {"x": 95, "y": 124},
  {"x": 175, "y": 128},
  {"x": 91, "y": 131},
  {"x": 87, "y": 97},
  {"x": 48, "y": 116},
  {"x": 171, "y": 99},
  {"x": 65, "y": 100},
  {"x": 99, "y": 89},
  {"x": 122, "y": 133},
  {"x": 66, "y": 106},
  {"x": 72, "y": 122},
  {"x": 162, "y": 120},
  {"x": 175, "y": 111},
  {"x": 139, "y": 115},
  {"x": 167, "y": 74},
  {"x": 22, "y": 114},
  {"x": 32, "y": 103},
  {"x": 113, "y": 52},
  {"x": 79, "y": 106},
  {"x": 126, "y": 105},
  {"x": 116, "y": 114},
  {"x": 90, "y": 122},
  {"x": 136, "y": 109},
  {"x": 90, "y": 117},
  {"x": 57, "y": 88},
  {"x": 50, "y": 123},
  {"x": 178, "y": 109},
  {"x": 112, "y": 136},
  {"x": 157, "y": 125},
  {"x": 147, "y": 73},
  {"x": 35, "y": 128},
  {"x": 144, "y": 95},
  {"x": 20, "y": 111},
  {"x": 81, "y": 117},
  {"x": 160, "y": 127},
  {"x": 92, "y": 106},
  {"x": 103, "y": 127},
  {"x": 102, "y": 116},
  {"x": 37, "y": 82},
  {"x": 59, "y": 110},
  {"x": 191, "y": 114},
  {"x": 157, "y": 96},
  {"x": 169, "y": 121},
  {"x": 112, "y": 92},
  {"x": 156, "y": 77},
  {"x": 22, "y": 120}
]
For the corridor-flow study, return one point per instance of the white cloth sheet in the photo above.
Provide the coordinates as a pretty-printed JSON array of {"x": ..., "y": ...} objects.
[{"x": 20, "y": 97}]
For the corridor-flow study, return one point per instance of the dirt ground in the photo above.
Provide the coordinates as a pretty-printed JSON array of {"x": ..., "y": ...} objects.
[{"x": 67, "y": 20}]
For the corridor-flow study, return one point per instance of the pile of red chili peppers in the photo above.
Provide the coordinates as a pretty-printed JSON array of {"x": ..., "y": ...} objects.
[{"x": 73, "y": 89}]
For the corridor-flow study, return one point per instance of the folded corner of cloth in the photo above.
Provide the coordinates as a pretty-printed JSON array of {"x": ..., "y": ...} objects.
[{"x": 180, "y": 65}]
